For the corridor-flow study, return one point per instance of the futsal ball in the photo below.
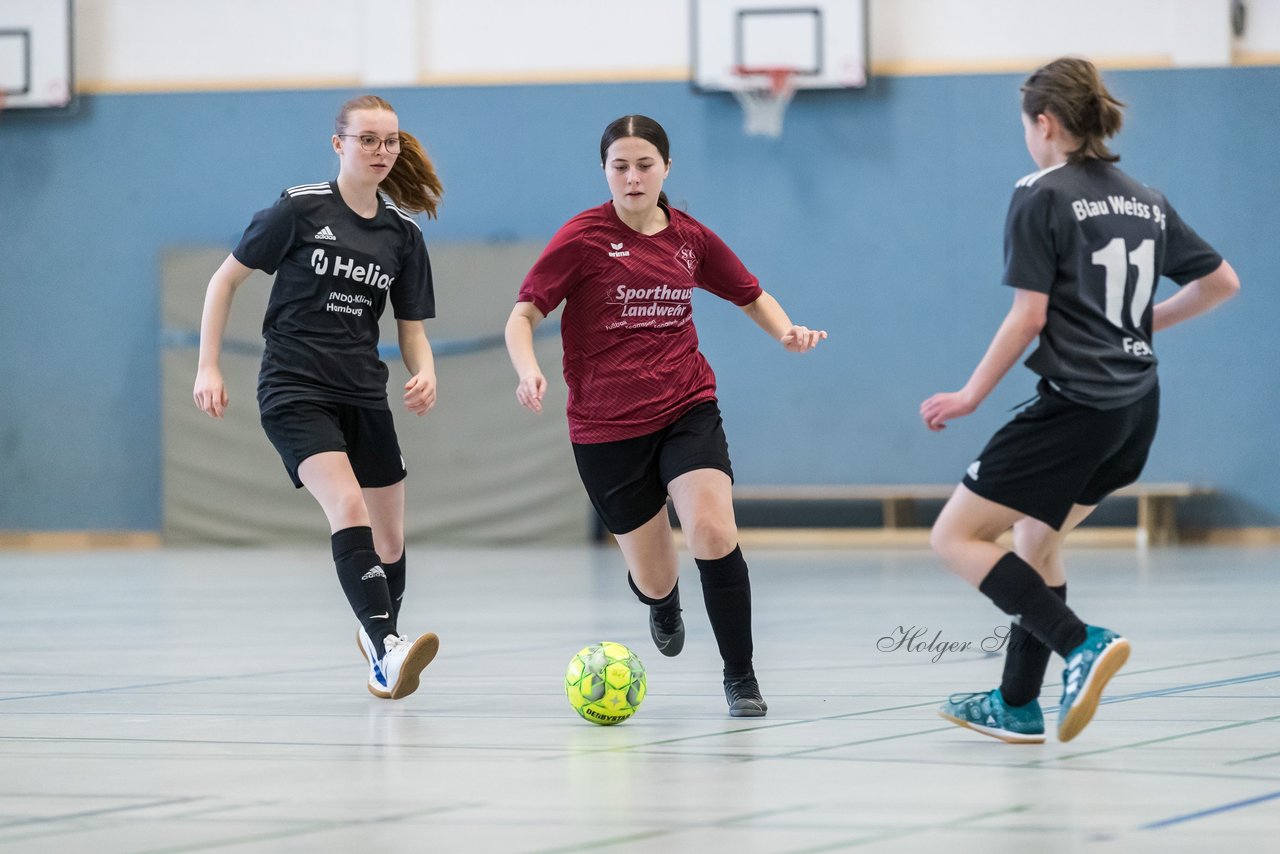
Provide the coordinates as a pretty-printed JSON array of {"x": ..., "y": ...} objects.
[{"x": 605, "y": 683}]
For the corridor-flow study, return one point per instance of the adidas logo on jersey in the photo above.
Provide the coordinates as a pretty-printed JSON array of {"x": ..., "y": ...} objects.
[{"x": 325, "y": 233}]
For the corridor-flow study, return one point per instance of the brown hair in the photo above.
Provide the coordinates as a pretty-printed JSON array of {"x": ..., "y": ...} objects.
[
  {"x": 1073, "y": 92},
  {"x": 412, "y": 183}
]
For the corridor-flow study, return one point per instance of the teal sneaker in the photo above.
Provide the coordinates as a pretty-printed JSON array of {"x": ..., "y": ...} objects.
[
  {"x": 1089, "y": 667},
  {"x": 990, "y": 715}
]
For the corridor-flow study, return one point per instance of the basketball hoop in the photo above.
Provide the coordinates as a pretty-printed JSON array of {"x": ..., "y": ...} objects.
[{"x": 764, "y": 94}]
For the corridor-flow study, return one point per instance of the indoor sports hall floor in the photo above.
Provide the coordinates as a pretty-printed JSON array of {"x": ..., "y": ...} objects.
[{"x": 213, "y": 700}]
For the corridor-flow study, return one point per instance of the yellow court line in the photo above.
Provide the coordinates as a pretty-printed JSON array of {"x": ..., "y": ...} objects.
[{"x": 44, "y": 541}]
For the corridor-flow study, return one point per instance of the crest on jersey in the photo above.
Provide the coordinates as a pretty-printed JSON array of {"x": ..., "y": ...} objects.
[{"x": 687, "y": 257}]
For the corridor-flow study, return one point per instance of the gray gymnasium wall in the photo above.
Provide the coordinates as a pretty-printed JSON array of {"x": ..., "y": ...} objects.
[
  {"x": 878, "y": 215},
  {"x": 481, "y": 470}
]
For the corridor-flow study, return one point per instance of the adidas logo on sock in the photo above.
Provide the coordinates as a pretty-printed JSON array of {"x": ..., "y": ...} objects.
[{"x": 325, "y": 233}]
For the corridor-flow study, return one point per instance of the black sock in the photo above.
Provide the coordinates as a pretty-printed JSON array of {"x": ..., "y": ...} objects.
[
  {"x": 1025, "y": 662},
  {"x": 665, "y": 604},
  {"x": 365, "y": 582},
  {"x": 726, "y": 590},
  {"x": 395, "y": 583},
  {"x": 1018, "y": 590}
]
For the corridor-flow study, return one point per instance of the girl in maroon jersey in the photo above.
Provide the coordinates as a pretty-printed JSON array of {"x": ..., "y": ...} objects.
[{"x": 642, "y": 409}]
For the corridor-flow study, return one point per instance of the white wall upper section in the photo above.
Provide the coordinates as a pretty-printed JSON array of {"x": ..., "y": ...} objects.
[
  {"x": 127, "y": 45},
  {"x": 555, "y": 39}
]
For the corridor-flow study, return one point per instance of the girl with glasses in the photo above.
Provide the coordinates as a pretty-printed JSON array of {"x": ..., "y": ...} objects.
[{"x": 340, "y": 251}]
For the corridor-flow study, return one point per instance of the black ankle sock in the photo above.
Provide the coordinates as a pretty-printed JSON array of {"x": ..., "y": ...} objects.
[
  {"x": 365, "y": 582},
  {"x": 664, "y": 605},
  {"x": 726, "y": 590},
  {"x": 395, "y": 584},
  {"x": 1018, "y": 590},
  {"x": 1025, "y": 662}
]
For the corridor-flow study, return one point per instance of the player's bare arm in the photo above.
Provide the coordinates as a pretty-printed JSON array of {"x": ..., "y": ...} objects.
[
  {"x": 532, "y": 385},
  {"x": 770, "y": 316},
  {"x": 1021, "y": 326}
]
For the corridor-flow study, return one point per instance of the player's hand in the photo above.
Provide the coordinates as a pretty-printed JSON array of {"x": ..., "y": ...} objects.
[
  {"x": 420, "y": 393},
  {"x": 801, "y": 339},
  {"x": 530, "y": 391},
  {"x": 210, "y": 392},
  {"x": 943, "y": 407}
]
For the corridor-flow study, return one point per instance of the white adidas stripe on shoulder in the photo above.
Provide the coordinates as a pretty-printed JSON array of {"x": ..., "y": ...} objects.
[
  {"x": 310, "y": 189},
  {"x": 404, "y": 216},
  {"x": 1028, "y": 180}
]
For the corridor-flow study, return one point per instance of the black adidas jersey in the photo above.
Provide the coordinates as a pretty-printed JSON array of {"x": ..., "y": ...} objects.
[
  {"x": 1096, "y": 241},
  {"x": 335, "y": 270}
]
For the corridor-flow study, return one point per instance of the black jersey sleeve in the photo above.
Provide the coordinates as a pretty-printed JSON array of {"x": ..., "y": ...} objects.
[
  {"x": 1030, "y": 257},
  {"x": 1187, "y": 256},
  {"x": 413, "y": 295},
  {"x": 269, "y": 237}
]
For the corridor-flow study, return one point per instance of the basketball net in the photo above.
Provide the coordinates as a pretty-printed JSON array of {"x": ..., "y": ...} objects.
[{"x": 764, "y": 96}]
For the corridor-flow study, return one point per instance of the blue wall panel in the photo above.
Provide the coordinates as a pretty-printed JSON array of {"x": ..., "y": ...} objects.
[{"x": 878, "y": 216}]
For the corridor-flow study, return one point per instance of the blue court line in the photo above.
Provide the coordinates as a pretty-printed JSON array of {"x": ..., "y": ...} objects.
[
  {"x": 1192, "y": 816},
  {"x": 189, "y": 339}
]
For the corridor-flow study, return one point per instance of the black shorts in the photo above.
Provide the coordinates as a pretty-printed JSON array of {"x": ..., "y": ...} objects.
[
  {"x": 301, "y": 428},
  {"x": 627, "y": 480},
  {"x": 1056, "y": 453}
]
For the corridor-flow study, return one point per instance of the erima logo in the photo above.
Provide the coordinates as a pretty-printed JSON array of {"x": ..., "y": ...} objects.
[
  {"x": 617, "y": 251},
  {"x": 325, "y": 233},
  {"x": 972, "y": 471},
  {"x": 376, "y": 572}
]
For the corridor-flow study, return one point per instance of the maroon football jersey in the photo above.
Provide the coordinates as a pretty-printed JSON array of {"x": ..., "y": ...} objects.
[{"x": 631, "y": 357}]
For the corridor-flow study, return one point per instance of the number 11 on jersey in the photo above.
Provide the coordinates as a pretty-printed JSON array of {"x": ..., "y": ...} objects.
[{"x": 1112, "y": 259}]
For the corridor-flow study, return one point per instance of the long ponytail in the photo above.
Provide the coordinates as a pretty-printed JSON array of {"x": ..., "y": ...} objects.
[{"x": 412, "y": 182}]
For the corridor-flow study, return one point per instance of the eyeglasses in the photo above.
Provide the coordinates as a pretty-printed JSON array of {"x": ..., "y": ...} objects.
[{"x": 371, "y": 143}]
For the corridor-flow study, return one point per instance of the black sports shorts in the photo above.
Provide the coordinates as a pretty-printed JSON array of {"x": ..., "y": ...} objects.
[
  {"x": 301, "y": 428},
  {"x": 1056, "y": 453},
  {"x": 627, "y": 480}
]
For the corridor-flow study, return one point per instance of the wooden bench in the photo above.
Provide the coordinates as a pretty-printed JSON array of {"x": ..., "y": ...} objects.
[
  {"x": 1156, "y": 524},
  {"x": 1157, "y": 519}
]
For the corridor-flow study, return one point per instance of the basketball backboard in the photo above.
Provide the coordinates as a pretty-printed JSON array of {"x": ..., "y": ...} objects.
[
  {"x": 823, "y": 41},
  {"x": 35, "y": 54}
]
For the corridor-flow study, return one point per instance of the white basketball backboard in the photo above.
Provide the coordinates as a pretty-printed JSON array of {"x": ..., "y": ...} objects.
[
  {"x": 823, "y": 41},
  {"x": 35, "y": 54}
]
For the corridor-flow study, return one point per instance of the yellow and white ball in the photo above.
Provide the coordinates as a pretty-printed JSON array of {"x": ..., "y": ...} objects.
[{"x": 605, "y": 683}]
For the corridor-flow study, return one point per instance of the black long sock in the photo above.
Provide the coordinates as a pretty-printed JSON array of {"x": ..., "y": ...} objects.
[
  {"x": 726, "y": 590},
  {"x": 395, "y": 583},
  {"x": 1020, "y": 591},
  {"x": 665, "y": 604},
  {"x": 1025, "y": 662},
  {"x": 365, "y": 582}
]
